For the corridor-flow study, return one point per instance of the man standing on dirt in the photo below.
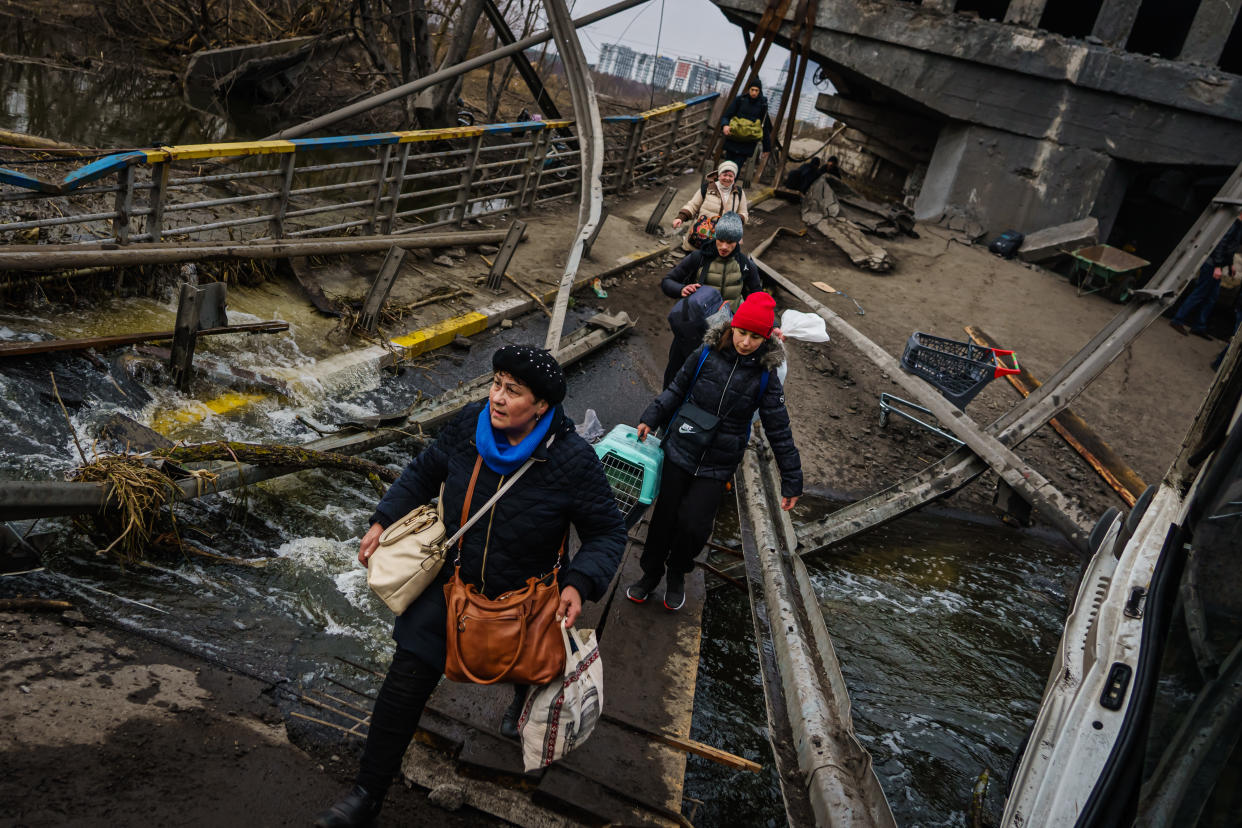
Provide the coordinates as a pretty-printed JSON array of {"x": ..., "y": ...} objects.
[
  {"x": 745, "y": 123},
  {"x": 1197, "y": 306}
]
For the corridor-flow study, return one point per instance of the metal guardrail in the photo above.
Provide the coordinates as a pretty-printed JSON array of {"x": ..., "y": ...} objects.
[
  {"x": 381, "y": 183},
  {"x": 656, "y": 142}
]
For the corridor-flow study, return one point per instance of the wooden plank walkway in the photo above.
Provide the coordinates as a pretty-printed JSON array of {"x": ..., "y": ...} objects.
[{"x": 620, "y": 775}]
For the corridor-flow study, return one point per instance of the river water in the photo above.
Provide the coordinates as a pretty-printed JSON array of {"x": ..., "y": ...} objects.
[{"x": 945, "y": 628}]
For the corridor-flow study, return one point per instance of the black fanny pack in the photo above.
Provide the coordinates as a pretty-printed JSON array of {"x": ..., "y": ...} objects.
[{"x": 694, "y": 428}]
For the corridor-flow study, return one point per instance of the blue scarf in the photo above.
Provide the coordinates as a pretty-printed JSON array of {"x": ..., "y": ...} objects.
[{"x": 498, "y": 454}]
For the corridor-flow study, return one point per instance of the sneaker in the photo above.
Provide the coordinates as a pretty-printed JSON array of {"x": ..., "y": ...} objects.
[
  {"x": 641, "y": 590},
  {"x": 675, "y": 592},
  {"x": 355, "y": 810},
  {"x": 1180, "y": 328}
]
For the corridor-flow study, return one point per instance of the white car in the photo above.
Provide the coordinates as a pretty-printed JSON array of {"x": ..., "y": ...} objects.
[{"x": 1141, "y": 717}]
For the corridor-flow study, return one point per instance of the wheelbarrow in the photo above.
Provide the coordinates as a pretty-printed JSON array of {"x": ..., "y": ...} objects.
[{"x": 1104, "y": 269}]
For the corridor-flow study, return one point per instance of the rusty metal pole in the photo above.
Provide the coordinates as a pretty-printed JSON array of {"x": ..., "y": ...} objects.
[
  {"x": 804, "y": 56},
  {"x": 159, "y": 190},
  {"x": 124, "y": 204}
]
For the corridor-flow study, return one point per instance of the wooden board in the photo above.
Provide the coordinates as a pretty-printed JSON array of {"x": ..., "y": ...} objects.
[{"x": 621, "y": 776}]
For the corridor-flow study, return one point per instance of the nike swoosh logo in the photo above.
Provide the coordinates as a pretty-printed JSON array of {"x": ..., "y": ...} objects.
[{"x": 686, "y": 428}]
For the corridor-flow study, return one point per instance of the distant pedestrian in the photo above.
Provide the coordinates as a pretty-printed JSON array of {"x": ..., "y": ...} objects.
[
  {"x": 801, "y": 179},
  {"x": 719, "y": 193},
  {"x": 730, "y": 377},
  {"x": 746, "y": 124},
  {"x": 1197, "y": 306},
  {"x": 720, "y": 264}
]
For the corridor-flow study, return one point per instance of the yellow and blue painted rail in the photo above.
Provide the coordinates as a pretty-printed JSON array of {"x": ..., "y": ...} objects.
[
  {"x": 110, "y": 164},
  {"x": 661, "y": 110},
  {"x": 397, "y": 182}
]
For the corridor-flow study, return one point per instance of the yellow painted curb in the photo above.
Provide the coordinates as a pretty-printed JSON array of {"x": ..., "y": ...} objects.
[
  {"x": 441, "y": 333},
  {"x": 762, "y": 195}
]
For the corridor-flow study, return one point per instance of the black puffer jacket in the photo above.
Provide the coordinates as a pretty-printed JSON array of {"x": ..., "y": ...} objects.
[
  {"x": 693, "y": 268},
  {"x": 756, "y": 109},
  {"x": 728, "y": 386},
  {"x": 527, "y": 525}
]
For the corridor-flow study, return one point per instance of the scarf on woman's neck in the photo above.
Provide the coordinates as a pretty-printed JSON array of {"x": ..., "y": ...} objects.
[
  {"x": 494, "y": 447},
  {"x": 724, "y": 192}
]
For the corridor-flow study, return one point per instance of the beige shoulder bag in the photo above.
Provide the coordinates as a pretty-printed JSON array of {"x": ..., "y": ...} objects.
[{"x": 411, "y": 551}]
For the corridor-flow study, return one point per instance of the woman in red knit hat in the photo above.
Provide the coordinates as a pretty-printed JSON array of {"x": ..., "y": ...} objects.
[{"x": 708, "y": 407}]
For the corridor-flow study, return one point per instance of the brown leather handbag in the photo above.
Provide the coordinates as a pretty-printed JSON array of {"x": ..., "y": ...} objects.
[{"x": 512, "y": 638}]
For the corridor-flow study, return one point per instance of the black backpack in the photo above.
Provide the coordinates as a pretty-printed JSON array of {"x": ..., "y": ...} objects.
[{"x": 1006, "y": 244}]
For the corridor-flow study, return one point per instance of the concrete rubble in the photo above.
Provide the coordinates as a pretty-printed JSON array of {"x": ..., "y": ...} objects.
[{"x": 1051, "y": 242}]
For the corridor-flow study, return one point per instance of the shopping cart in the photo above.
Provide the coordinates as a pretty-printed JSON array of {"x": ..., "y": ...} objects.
[{"x": 958, "y": 370}]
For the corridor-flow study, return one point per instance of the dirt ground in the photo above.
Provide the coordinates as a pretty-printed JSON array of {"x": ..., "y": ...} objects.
[{"x": 101, "y": 727}]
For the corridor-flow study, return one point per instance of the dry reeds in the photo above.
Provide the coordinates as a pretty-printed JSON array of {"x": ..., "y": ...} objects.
[{"x": 136, "y": 495}]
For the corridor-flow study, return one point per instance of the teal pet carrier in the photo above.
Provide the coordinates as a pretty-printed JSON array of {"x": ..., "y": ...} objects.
[{"x": 633, "y": 468}]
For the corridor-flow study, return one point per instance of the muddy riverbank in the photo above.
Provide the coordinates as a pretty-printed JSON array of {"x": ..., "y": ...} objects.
[{"x": 105, "y": 727}]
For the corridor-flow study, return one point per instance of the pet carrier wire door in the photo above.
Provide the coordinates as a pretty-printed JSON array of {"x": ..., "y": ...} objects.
[{"x": 632, "y": 468}]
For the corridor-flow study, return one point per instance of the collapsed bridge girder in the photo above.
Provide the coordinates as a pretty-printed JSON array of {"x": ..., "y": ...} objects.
[{"x": 1031, "y": 128}]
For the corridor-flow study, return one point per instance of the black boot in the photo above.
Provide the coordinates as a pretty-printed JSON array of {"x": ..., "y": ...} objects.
[
  {"x": 355, "y": 810},
  {"x": 509, "y": 724}
]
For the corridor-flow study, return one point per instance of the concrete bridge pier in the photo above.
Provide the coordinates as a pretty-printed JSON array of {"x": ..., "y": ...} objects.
[{"x": 1010, "y": 180}]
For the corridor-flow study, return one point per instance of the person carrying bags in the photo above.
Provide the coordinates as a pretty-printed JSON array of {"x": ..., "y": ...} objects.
[
  {"x": 745, "y": 124},
  {"x": 520, "y": 438},
  {"x": 719, "y": 194},
  {"x": 708, "y": 409}
]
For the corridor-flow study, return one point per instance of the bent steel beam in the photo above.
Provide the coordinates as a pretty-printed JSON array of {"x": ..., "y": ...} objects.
[
  {"x": 826, "y": 775},
  {"x": 398, "y": 92},
  {"x": 500, "y": 27},
  {"x": 590, "y": 156}
]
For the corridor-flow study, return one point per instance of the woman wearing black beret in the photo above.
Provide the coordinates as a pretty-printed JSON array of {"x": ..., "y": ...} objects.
[{"x": 521, "y": 419}]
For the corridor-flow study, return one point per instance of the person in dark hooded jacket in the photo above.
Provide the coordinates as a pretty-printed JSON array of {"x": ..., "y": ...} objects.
[
  {"x": 521, "y": 538},
  {"x": 752, "y": 106},
  {"x": 731, "y": 376},
  {"x": 721, "y": 265},
  {"x": 804, "y": 176}
]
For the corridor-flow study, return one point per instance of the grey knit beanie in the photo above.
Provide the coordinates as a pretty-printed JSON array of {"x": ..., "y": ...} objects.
[{"x": 729, "y": 227}]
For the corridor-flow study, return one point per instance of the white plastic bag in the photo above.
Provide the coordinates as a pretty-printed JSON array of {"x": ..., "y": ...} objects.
[
  {"x": 561, "y": 715},
  {"x": 590, "y": 429},
  {"x": 809, "y": 327}
]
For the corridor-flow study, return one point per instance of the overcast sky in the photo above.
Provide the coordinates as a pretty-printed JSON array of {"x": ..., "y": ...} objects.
[{"x": 692, "y": 28}]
